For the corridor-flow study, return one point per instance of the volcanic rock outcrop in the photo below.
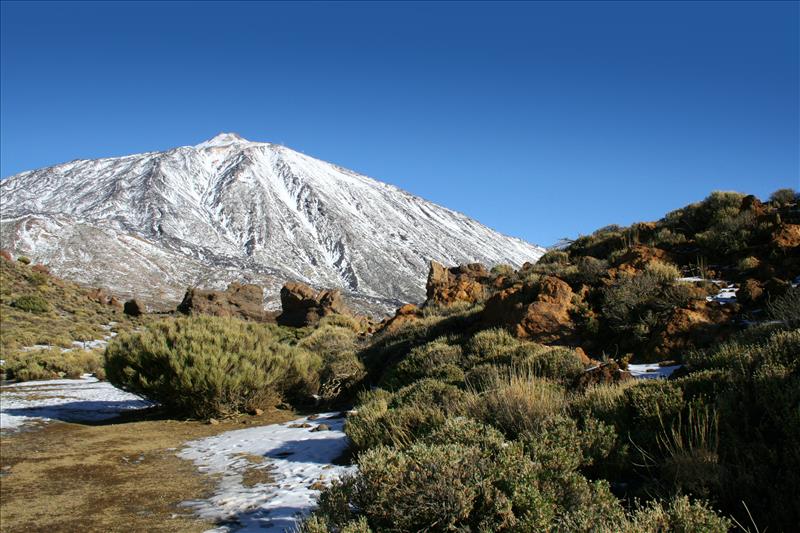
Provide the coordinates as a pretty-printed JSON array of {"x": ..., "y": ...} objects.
[
  {"x": 245, "y": 301},
  {"x": 303, "y": 306}
]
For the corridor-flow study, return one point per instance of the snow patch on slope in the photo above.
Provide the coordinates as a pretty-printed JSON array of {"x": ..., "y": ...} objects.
[{"x": 298, "y": 458}]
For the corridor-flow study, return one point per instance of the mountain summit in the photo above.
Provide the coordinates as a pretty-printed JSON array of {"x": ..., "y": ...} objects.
[{"x": 229, "y": 209}]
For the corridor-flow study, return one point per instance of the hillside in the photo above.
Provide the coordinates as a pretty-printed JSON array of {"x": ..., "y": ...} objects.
[{"x": 149, "y": 225}]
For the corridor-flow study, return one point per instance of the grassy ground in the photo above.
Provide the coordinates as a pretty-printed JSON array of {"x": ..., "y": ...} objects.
[{"x": 122, "y": 476}]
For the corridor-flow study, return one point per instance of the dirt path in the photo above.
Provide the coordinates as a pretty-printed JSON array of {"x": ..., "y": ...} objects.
[{"x": 116, "y": 477}]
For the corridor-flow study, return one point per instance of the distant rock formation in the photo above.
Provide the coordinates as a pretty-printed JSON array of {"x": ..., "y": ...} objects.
[
  {"x": 303, "y": 306},
  {"x": 245, "y": 301},
  {"x": 465, "y": 283}
]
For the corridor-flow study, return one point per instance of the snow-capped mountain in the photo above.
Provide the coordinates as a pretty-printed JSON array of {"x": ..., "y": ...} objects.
[{"x": 228, "y": 209}]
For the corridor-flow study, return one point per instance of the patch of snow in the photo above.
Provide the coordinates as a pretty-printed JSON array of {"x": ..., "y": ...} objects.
[
  {"x": 725, "y": 296},
  {"x": 651, "y": 371},
  {"x": 296, "y": 457},
  {"x": 71, "y": 400}
]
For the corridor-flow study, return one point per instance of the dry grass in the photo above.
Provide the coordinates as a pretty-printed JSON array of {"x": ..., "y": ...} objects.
[{"x": 122, "y": 477}]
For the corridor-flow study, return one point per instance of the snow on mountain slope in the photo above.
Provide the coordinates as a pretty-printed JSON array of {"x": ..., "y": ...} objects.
[{"x": 229, "y": 209}]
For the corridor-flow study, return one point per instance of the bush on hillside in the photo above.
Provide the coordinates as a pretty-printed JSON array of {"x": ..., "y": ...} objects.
[
  {"x": 786, "y": 307},
  {"x": 341, "y": 368},
  {"x": 518, "y": 403},
  {"x": 52, "y": 364},
  {"x": 397, "y": 419},
  {"x": 784, "y": 196},
  {"x": 437, "y": 359},
  {"x": 211, "y": 367},
  {"x": 32, "y": 303}
]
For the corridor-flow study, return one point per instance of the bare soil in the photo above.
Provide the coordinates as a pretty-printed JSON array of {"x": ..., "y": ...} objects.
[{"x": 121, "y": 476}]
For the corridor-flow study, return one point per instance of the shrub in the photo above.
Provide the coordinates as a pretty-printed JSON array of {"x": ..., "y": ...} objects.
[
  {"x": 502, "y": 270},
  {"x": 32, "y": 303},
  {"x": 554, "y": 256},
  {"x": 52, "y": 364},
  {"x": 784, "y": 197},
  {"x": 519, "y": 403},
  {"x": 662, "y": 272},
  {"x": 749, "y": 263},
  {"x": 24, "y": 260},
  {"x": 554, "y": 363},
  {"x": 490, "y": 345},
  {"x": 690, "y": 450},
  {"x": 341, "y": 321},
  {"x": 341, "y": 368},
  {"x": 398, "y": 419},
  {"x": 786, "y": 307},
  {"x": 680, "y": 515},
  {"x": 436, "y": 359},
  {"x": 209, "y": 366}
]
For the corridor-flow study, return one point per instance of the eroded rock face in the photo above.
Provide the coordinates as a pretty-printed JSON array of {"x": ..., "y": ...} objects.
[
  {"x": 700, "y": 323},
  {"x": 303, "y": 306},
  {"x": 536, "y": 311},
  {"x": 466, "y": 283},
  {"x": 788, "y": 236},
  {"x": 245, "y": 301}
]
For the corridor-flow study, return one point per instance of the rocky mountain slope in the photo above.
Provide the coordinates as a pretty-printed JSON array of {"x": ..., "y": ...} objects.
[{"x": 149, "y": 225}]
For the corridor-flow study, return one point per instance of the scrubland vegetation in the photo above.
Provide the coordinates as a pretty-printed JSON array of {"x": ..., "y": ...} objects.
[{"x": 463, "y": 426}]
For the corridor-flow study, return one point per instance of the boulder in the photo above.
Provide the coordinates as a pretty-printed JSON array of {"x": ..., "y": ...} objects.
[
  {"x": 467, "y": 283},
  {"x": 303, "y": 306},
  {"x": 750, "y": 293},
  {"x": 134, "y": 308},
  {"x": 404, "y": 315},
  {"x": 699, "y": 324},
  {"x": 102, "y": 296},
  {"x": 537, "y": 311},
  {"x": 245, "y": 301},
  {"x": 787, "y": 236},
  {"x": 637, "y": 257}
]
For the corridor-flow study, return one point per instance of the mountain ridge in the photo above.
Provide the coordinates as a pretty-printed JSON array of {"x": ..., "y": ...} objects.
[{"x": 229, "y": 209}]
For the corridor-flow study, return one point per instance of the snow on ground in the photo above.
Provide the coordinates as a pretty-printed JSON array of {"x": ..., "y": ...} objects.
[
  {"x": 70, "y": 400},
  {"x": 296, "y": 457},
  {"x": 651, "y": 370},
  {"x": 724, "y": 296}
]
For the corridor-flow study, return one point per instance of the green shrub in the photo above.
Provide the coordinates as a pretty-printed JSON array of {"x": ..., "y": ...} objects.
[
  {"x": 502, "y": 270},
  {"x": 486, "y": 486},
  {"x": 52, "y": 364},
  {"x": 554, "y": 256},
  {"x": 784, "y": 197},
  {"x": 490, "y": 345},
  {"x": 397, "y": 419},
  {"x": 663, "y": 272},
  {"x": 24, "y": 260},
  {"x": 209, "y": 366},
  {"x": 555, "y": 363},
  {"x": 518, "y": 403},
  {"x": 436, "y": 359},
  {"x": 340, "y": 321},
  {"x": 341, "y": 368},
  {"x": 32, "y": 303},
  {"x": 680, "y": 515}
]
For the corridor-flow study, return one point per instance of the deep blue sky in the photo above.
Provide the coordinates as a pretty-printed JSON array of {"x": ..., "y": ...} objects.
[{"x": 540, "y": 120}]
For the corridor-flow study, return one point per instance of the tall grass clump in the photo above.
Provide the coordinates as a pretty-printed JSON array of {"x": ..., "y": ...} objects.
[{"x": 209, "y": 366}]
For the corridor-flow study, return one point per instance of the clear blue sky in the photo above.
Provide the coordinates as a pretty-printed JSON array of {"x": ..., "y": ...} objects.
[{"x": 540, "y": 120}]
